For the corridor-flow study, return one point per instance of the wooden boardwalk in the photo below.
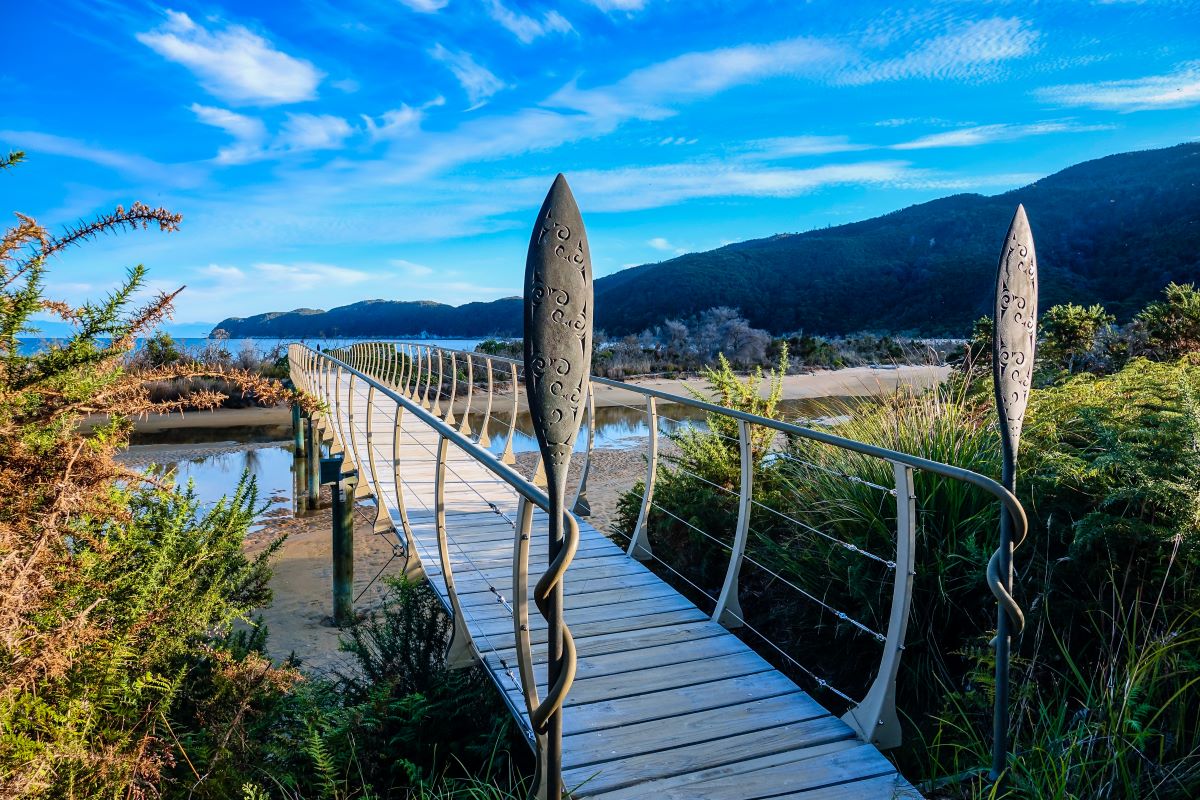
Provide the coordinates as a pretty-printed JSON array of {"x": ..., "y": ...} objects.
[{"x": 666, "y": 703}]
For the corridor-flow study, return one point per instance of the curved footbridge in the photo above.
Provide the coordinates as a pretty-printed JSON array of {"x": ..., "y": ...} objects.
[{"x": 665, "y": 702}]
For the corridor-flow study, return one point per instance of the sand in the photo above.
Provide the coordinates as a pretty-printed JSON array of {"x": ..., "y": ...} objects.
[{"x": 298, "y": 620}]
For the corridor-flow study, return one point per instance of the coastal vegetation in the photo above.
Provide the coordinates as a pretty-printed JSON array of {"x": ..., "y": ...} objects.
[
  {"x": 690, "y": 346},
  {"x": 131, "y": 664},
  {"x": 1107, "y": 696},
  {"x": 200, "y": 371}
]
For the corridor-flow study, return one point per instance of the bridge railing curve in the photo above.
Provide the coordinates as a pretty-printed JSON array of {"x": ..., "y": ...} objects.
[{"x": 472, "y": 400}]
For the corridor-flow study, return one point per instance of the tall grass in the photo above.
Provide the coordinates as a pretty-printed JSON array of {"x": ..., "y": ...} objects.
[{"x": 1106, "y": 695}]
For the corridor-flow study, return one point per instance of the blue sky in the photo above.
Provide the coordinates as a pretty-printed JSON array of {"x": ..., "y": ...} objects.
[{"x": 324, "y": 152}]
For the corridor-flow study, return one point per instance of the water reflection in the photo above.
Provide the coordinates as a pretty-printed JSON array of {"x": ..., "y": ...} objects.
[
  {"x": 625, "y": 427},
  {"x": 215, "y": 467},
  {"x": 215, "y": 472}
]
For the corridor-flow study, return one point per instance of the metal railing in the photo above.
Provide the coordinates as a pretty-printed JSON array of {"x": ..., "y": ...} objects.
[{"x": 457, "y": 394}]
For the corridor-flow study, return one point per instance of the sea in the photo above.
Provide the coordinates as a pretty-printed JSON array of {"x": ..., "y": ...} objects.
[{"x": 30, "y": 345}]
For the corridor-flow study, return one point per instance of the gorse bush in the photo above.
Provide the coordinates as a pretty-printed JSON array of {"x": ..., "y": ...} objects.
[
  {"x": 130, "y": 663},
  {"x": 117, "y": 593},
  {"x": 397, "y": 723}
]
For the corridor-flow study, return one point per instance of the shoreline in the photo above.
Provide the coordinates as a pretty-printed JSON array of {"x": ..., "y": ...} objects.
[{"x": 848, "y": 382}]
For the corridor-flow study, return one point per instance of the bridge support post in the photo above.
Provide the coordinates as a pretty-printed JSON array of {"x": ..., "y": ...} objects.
[
  {"x": 312, "y": 459},
  {"x": 297, "y": 431},
  {"x": 343, "y": 485}
]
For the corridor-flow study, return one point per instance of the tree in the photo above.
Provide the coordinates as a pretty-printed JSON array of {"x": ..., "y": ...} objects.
[
  {"x": 160, "y": 350},
  {"x": 1068, "y": 334},
  {"x": 1172, "y": 325}
]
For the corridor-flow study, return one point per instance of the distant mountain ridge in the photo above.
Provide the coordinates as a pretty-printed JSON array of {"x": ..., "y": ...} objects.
[{"x": 1112, "y": 231}]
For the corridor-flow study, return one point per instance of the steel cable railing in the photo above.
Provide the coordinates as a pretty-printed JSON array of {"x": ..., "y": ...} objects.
[
  {"x": 487, "y": 645},
  {"x": 873, "y": 716}
]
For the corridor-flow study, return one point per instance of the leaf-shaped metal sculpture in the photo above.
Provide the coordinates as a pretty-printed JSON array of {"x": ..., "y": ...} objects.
[
  {"x": 558, "y": 355},
  {"x": 1015, "y": 334},
  {"x": 1014, "y": 342}
]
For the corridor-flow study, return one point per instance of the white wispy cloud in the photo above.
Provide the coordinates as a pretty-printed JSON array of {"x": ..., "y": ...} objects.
[
  {"x": 234, "y": 63},
  {"x": 426, "y": 6},
  {"x": 653, "y": 91},
  {"x": 476, "y": 80},
  {"x": 792, "y": 146},
  {"x": 643, "y": 187},
  {"x": 975, "y": 51},
  {"x": 525, "y": 27},
  {"x": 304, "y": 275},
  {"x": 1177, "y": 89},
  {"x": 134, "y": 166},
  {"x": 659, "y": 243},
  {"x": 618, "y": 5},
  {"x": 395, "y": 123},
  {"x": 900, "y": 122},
  {"x": 410, "y": 268},
  {"x": 249, "y": 134},
  {"x": 304, "y": 132},
  {"x": 989, "y": 134},
  {"x": 299, "y": 133}
]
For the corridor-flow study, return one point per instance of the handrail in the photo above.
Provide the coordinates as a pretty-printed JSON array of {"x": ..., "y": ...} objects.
[
  {"x": 325, "y": 364},
  {"x": 993, "y": 487},
  {"x": 874, "y": 716}
]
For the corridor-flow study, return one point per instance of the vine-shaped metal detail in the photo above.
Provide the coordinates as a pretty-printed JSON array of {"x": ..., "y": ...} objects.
[{"x": 558, "y": 351}]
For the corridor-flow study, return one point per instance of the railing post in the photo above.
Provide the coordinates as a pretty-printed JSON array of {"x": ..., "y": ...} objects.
[
  {"x": 336, "y": 430},
  {"x": 484, "y": 439},
  {"x": 461, "y": 652},
  {"x": 383, "y": 520},
  {"x": 639, "y": 543},
  {"x": 428, "y": 376},
  {"x": 437, "y": 392},
  {"x": 465, "y": 428},
  {"x": 507, "y": 456},
  {"x": 414, "y": 373},
  {"x": 874, "y": 718},
  {"x": 413, "y": 569},
  {"x": 729, "y": 608},
  {"x": 449, "y": 418},
  {"x": 1014, "y": 341},
  {"x": 405, "y": 368}
]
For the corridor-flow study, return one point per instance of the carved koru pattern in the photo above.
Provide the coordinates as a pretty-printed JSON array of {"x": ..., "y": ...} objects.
[
  {"x": 1015, "y": 332},
  {"x": 558, "y": 329}
]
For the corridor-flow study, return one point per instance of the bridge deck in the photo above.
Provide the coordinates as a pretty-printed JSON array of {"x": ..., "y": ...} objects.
[{"x": 666, "y": 703}]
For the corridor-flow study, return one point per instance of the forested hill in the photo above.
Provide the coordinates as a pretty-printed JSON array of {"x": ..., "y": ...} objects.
[
  {"x": 389, "y": 318},
  {"x": 1111, "y": 231}
]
